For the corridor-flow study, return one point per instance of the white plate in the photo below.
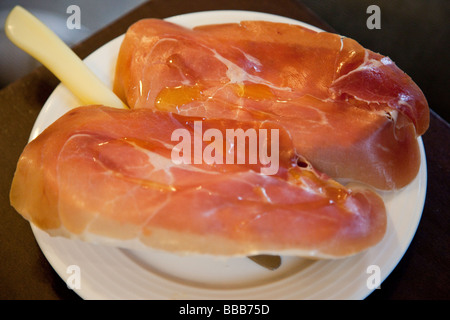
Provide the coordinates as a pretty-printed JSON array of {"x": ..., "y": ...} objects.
[{"x": 112, "y": 273}]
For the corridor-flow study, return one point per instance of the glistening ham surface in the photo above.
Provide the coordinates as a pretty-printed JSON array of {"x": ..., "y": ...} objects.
[
  {"x": 351, "y": 112},
  {"x": 109, "y": 173}
]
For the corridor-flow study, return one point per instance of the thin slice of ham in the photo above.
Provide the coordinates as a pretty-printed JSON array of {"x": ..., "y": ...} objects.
[
  {"x": 352, "y": 112},
  {"x": 108, "y": 173}
]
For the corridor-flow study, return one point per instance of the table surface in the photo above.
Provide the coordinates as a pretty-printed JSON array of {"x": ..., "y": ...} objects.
[{"x": 423, "y": 272}]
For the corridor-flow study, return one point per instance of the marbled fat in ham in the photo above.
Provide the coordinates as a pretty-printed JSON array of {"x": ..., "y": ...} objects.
[{"x": 351, "y": 112}]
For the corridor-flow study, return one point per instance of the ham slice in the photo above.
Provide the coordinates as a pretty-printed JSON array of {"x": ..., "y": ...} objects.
[
  {"x": 351, "y": 112},
  {"x": 103, "y": 173}
]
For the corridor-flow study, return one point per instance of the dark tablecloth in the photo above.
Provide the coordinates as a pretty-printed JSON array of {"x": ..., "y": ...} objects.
[{"x": 423, "y": 273}]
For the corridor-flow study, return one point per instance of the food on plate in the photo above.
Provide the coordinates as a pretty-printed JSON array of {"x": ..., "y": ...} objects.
[
  {"x": 238, "y": 142},
  {"x": 108, "y": 175},
  {"x": 351, "y": 112}
]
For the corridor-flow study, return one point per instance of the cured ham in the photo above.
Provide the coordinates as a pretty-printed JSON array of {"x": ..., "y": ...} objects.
[
  {"x": 104, "y": 173},
  {"x": 351, "y": 112}
]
